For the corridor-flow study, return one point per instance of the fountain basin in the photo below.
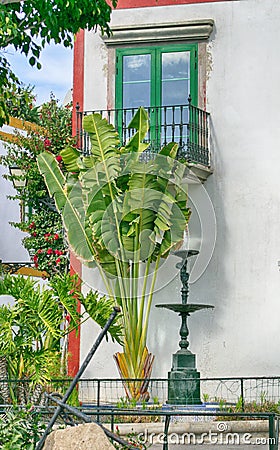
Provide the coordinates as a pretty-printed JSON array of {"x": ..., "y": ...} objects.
[{"x": 185, "y": 309}]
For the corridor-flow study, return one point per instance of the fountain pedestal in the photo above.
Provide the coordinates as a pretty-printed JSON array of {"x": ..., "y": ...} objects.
[{"x": 183, "y": 378}]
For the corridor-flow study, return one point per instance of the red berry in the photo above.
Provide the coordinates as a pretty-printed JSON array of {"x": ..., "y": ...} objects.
[{"x": 47, "y": 143}]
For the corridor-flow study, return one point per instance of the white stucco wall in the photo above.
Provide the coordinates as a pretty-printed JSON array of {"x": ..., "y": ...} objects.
[
  {"x": 241, "y": 335},
  {"x": 11, "y": 249}
]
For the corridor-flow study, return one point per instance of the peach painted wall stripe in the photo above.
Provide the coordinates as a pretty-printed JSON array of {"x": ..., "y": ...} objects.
[
  {"x": 75, "y": 265},
  {"x": 122, "y": 4}
]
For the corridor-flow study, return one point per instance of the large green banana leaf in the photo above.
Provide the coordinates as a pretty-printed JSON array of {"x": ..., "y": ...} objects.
[
  {"x": 70, "y": 206},
  {"x": 139, "y": 122}
]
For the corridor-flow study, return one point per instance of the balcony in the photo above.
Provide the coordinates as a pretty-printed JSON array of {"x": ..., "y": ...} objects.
[{"x": 185, "y": 124}]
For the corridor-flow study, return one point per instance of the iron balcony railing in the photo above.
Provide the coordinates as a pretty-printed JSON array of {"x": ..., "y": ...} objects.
[{"x": 185, "y": 124}]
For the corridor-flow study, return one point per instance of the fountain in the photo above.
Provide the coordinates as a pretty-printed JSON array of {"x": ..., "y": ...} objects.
[{"x": 184, "y": 384}]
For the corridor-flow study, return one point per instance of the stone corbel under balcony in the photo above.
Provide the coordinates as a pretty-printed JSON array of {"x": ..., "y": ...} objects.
[{"x": 197, "y": 173}]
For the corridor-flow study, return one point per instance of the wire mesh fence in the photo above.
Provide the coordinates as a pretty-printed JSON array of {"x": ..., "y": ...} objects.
[
  {"x": 96, "y": 392},
  {"x": 105, "y": 401}
]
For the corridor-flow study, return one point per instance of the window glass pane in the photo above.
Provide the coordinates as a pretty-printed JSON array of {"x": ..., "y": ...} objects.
[
  {"x": 137, "y": 68},
  {"x": 175, "y": 92},
  {"x": 175, "y": 82},
  {"x": 175, "y": 65},
  {"x": 136, "y": 80},
  {"x": 136, "y": 94}
]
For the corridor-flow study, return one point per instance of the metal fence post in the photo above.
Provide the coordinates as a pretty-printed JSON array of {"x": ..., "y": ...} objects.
[
  {"x": 272, "y": 434},
  {"x": 166, "y": 426},
  {"x": 242, "y": 393},
  {"x": 98, "y": 401}
]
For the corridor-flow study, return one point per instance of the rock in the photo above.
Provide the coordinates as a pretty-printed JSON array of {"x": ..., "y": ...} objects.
[{"x": 82, "y": 437}]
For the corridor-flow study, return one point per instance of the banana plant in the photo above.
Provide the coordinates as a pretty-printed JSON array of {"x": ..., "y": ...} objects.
[{"x": 122, "y": 215}]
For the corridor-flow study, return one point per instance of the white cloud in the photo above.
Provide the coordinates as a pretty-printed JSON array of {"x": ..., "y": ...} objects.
[{"x": 55, "y": 76}]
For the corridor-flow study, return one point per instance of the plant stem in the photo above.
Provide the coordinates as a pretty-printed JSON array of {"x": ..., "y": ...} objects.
[
  {"x": 142, "y": 343},
  {"x": 143, "y": 298}
]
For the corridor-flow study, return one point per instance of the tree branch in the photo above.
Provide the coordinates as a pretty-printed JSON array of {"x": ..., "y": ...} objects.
[{"x": 6, "y": 2}]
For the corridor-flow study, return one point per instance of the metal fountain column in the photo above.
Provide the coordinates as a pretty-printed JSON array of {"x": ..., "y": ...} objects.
[
  {"x": 184, "y": 277},
  {"x": 184, "y": 384}
]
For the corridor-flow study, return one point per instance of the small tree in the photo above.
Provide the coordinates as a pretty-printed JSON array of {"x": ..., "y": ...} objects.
[{"x": 29, "y": 25}]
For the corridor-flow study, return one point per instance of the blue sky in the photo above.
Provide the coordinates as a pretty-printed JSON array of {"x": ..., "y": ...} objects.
[{"x": 55, "y": 76}]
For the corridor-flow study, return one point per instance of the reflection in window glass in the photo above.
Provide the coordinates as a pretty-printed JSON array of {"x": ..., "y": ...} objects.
[
  {"x": 175, "y": 92},
  {"x": 175, "y": 83},
  {"x": 137, "y": 68},
  {"x": 136, "y": 80}
]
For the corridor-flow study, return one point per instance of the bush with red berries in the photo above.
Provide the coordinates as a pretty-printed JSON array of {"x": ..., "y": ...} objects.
[{"x": 46, "y": 243}]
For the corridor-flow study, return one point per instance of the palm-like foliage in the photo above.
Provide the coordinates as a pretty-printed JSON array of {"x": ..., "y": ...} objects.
[
  {"x": 122, "y": 215},
  {"x": 32, "y": 329},
  {"x": 29, "y": 331}
]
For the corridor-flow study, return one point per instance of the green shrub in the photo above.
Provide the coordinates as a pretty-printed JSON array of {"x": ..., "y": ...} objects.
[{"x": 20, "y": 429}]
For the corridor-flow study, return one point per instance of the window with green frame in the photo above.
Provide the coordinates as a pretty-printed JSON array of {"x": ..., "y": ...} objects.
[{"x": 161, "y": 79}]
